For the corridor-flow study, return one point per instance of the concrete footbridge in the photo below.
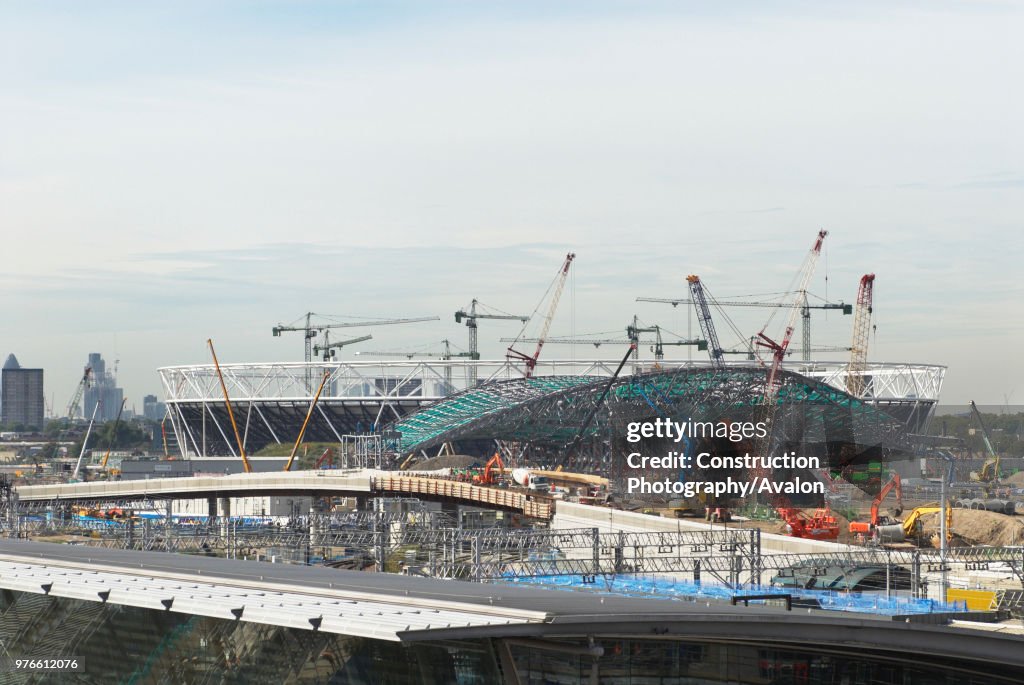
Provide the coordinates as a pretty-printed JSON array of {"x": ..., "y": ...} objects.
[{"x": 321, "y": 483}]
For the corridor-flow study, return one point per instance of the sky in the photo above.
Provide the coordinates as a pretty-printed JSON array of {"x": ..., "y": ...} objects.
[{"x": 173, "y": 172}]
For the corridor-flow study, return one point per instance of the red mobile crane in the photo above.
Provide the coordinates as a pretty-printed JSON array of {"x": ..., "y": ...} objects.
[
  {"x": 855, "y": 384},
  {"x": 559, "y": 284},
  {"x": 779, "y": 349},
  {"x": 868, "y": 527},
  {"x": 821, "y": 525}
]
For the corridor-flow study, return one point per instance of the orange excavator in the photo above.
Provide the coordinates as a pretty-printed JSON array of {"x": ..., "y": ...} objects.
[
  {"x": 870, "y": 528},
  {"x": 488, "y": 477}
]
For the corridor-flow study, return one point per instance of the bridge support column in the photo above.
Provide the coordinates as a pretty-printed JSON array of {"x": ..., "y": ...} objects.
[
  {"x": 316, "y": 521},
  {"x": 225, "y": 524},
  {"x": 211, "y": 510}
]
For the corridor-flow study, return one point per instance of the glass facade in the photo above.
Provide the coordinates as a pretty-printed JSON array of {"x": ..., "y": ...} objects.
[{"x": 117, "y": 644}]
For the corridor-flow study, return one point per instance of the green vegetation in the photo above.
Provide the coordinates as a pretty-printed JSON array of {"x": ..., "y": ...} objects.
[
  {"x": 306, "y": 458},
  {"x": 1005, "y": 430}
]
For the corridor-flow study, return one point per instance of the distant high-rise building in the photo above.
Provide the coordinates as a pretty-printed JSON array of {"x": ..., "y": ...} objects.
[
  {"x": 21, "y": 395},
  {"x": 153, "y": 409},
  {"x": 103, "y": 390}
]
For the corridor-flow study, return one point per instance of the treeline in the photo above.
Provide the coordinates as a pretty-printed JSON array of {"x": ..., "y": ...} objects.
[{"x": 1006, "y": 432}]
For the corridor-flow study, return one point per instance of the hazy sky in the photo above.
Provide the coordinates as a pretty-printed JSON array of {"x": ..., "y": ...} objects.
[{"x": 171, "y": 172}]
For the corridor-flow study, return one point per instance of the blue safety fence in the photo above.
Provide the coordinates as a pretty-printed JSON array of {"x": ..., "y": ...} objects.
[{"x": 663, "y": 587}]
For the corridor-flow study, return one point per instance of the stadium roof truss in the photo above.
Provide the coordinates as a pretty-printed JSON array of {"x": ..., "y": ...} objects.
[{"x": 552, "y": 410}]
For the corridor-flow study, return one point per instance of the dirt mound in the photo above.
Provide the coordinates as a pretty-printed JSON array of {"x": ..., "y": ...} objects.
[
  {"x": 447, "y": 461},
  {"x": 977, "y": 527},
  {"x": 1017, "y": 479}
]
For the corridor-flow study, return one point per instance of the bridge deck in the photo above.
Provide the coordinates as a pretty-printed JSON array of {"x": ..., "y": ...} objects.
[{"x": 367, "y": 483}]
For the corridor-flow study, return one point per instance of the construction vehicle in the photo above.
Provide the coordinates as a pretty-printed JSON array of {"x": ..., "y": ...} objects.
[
  {"x": 530, "y": 481},
  {"x": 912, "y": 523},
  {"x": 882, "y": 527},
  {"x": 990, "y": 469},
  {"x": 488, "y": 477},
  {"x": 821, "y": 525}
]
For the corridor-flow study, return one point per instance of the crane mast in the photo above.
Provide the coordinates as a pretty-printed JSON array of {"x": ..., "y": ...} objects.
[
  {"x": 855, "y": 384},
  {"x": 633, "y": 332},
  {"x": 707, "y": 326},
  {"x": 531, "y": 362}
]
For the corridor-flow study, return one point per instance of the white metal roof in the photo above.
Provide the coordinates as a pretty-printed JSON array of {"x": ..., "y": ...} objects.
[{"x": 340, "y": 612}]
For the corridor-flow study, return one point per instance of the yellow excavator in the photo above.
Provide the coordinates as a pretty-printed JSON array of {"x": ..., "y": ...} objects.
[
  {"x": 990, "y": 469},
  {"x": 912, "y": 523}
]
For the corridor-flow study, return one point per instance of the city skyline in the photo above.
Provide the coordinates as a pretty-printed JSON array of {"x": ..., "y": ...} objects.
[{"x": 174, "y": 173}]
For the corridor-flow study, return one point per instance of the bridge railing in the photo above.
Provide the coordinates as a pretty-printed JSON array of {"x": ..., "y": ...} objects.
[{"x": 530, "y": 505}]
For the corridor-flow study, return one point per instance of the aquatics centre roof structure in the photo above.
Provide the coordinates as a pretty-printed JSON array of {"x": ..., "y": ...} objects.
[{"x": 552, "y": 411}]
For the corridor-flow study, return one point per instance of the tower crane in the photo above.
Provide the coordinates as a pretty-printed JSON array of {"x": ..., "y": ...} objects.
[
  {"x": 855, "y": 384},
  {"x": 76, "y": 399},
  {"x": 707, "y": 326},
  {"x": 312, "y": 329},
  {"x": 559, "y": 285},
  {"x": 471, "y": 317},
  {"x": 446, "y": 356},
  {"x": 329, "y": 347},
  {"x": 805, "y": 313},
  {"x": 633, "y": 332},
  {"x": 633, "y": 337}
]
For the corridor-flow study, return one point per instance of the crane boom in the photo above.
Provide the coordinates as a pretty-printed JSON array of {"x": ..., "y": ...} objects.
[
  {"x": 855, "y": 384},
  {"x": 113, "y": 436},
  {"x": 231, "y": 413},
  {"x": 993, "y": 461},
  {"x": 328, "y": 347},
  {"x": 779, "y": 349},
  {"x": 597, "y": 342},
  {"x": 531, "y": 362},
  {"x": 707, "y": 326},
  {"x": 76, "y": 399},
  {"x": 311, "y": 329},
  {"x": 674, "y": 301}
]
